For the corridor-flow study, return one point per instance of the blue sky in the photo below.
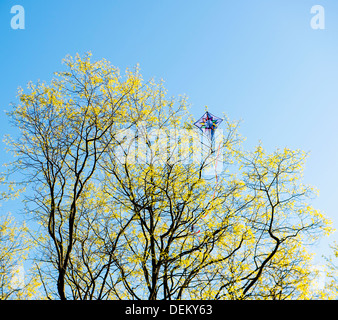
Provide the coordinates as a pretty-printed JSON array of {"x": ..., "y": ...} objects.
[{"x": 256, "y": 60}]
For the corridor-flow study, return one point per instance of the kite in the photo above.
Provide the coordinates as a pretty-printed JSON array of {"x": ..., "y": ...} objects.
[{"x": 208, "y": 124}]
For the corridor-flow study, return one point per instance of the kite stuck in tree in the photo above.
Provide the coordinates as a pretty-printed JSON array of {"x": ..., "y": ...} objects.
[{"x": 208, "y": 123}]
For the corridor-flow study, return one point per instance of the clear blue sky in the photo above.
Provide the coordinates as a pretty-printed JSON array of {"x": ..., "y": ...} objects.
[{"x": 256, "y": 60}]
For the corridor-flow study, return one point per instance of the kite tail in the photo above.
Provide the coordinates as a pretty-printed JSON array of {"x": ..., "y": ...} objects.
[
  {"x": 219, "y": 147},
  {"x": 213, "y": 196},
  {"x": 216, "y": 176}
]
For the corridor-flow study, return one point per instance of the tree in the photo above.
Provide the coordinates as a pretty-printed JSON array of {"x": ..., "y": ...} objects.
[
  {"x": 15, "y": 244},
  {"x": 250, "y": 224},
  {"x": 330, "y": 271},
  {"x": 132, "y": 206},
  {"x": 65, "y": 128},
  {"x": 11, "y": 256}
]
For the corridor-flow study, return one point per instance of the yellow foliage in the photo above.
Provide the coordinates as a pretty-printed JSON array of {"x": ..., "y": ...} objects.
[{"x": 125, "y": 212}]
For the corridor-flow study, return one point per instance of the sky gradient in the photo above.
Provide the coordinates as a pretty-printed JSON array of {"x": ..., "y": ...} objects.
[{"x": 259, "y": 61}]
